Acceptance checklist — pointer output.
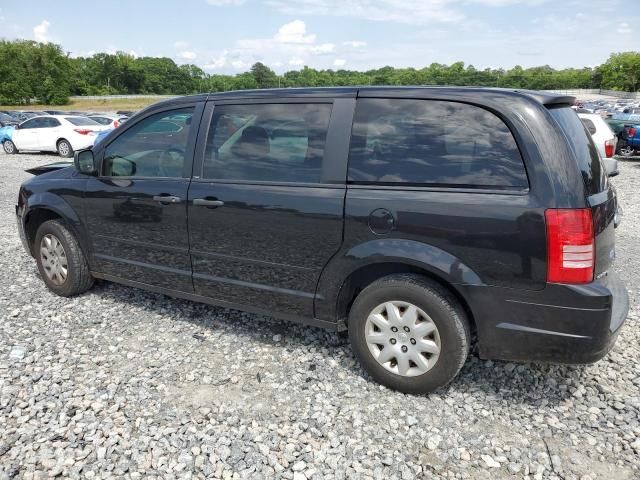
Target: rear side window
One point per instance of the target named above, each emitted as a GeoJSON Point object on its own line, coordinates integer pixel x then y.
{"type": "Point", "coordinates": [583, 148]}
{"type": "Point", "coordinates": [267, 142]}
{"type": "Point", "coordinates": [589, 125]}
{"type": "Point", "coordinates": [429, 142]}
{"type": "Point", "coordinates": [81, 121]}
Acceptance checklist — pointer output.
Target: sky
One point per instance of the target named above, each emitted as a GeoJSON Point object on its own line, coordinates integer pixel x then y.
{"type": "Point", "coordinates": [228, 36]}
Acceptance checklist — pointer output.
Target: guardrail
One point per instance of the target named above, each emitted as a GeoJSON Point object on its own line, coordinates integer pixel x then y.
{"type": "Point", "coordinates": [115, 97]}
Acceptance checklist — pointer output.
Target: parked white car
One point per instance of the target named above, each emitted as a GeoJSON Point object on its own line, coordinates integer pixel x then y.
{"type": "Point", "coordinates": [601, 133]}
{"type": "Point", "coordinates": [54, 133]}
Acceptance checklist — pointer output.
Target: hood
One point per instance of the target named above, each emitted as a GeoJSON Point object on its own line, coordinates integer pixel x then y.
{"type": "Point", "coordinates": [50, 167]}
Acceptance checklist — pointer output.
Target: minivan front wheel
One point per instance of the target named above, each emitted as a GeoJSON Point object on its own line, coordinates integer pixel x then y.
{"type": "Point", "coordinates": [409, 333]}
{"type": "Point", "coordinates": [61, 262]}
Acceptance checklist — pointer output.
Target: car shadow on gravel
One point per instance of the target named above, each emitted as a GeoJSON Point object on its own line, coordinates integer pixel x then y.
{"type": "Point", "coordinates": [533, 384]}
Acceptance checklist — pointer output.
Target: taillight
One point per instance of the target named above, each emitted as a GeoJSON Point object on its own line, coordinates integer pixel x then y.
{"type": "Point", "coordinates": [631, 132]}
{"type": "Point", "coordinates": [115, 124]}
{"type": "Point", "coordinates": [570, 245]}
{"type": "Point", "coordinates": [608, 148]}
{"type": "Point", "coordinates": [82, 131]}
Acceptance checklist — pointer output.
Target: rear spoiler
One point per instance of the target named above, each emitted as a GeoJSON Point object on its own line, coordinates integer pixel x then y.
{"type": "Point", "coordinates": [550, 99]}
{"type": "Point", "coordinates": [50, 167]}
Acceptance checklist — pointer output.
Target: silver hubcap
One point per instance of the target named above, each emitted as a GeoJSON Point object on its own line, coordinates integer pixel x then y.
{"type": "Point", "coordinates": [402, 338]}
{"type": "Point", "coordinates": [54, 259]}
{"type": "Point", "coordinates": [9, 147]}
{"type": "Point", "coordinates": [627, 151]}
{"type": "Point", "coordinates": [63, 148]}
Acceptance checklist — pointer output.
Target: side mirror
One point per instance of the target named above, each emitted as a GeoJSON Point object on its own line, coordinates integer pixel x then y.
{"type": "Point", "coordinates": [611, 167]}
{"type": "Point", "coordinates": [84, 162]}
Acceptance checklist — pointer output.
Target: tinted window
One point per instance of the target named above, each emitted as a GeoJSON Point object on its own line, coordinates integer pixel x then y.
{"type": "Point", "coordinates": [6, 118]}
{"type": "Point", "coordinates": [267, 142]}
{"type": "Point", "coordinates": [583, 148]}
{"type": "Point", "coordinates": [146, 151]}
{"type": "Point", "coordinates": [589, 125]}
{"type": "Point", "coordinates": [101, 120]}
{"type": "Point", "coordinates": [81, 121]}
{"type": "Point", "coordinates": [33, 123]}
{"type": "Point", "coordinates": [50, 123]}
{"type": "Point", "coordinates": [432, 143]}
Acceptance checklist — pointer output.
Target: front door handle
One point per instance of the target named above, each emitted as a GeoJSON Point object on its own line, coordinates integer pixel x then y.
{"type": "Point", "coordinates": [166, 199]}
{"type": "Point", "coordinates": [208, 203]}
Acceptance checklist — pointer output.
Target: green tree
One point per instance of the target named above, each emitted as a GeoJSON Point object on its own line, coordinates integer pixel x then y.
{"type": "Point", "coordinates": [621, 72]}
{"type": "Point", "coordinates": [264, 76]}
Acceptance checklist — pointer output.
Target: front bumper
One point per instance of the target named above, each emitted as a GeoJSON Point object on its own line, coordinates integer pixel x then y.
{"type": "Point", "coordinates": [559, 324]}
{"type": "Point", "coordinates": [21, 232]}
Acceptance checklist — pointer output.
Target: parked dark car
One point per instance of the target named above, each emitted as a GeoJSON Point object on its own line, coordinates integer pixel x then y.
{"type": "Point", "coordinates": [414, 218]}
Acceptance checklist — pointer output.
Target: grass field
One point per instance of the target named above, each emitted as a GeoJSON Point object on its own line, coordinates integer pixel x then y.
{"type": "Point", "coordinates": [91, 105]}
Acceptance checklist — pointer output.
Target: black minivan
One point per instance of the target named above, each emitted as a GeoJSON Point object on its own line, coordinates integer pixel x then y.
{"type": "Point", "coordinates": [415, 218]}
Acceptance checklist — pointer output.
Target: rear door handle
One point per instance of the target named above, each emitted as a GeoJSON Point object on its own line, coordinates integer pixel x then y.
{"type": "Point", "coordinates": [208, 203]}
{"type": "Point", "coordinates": [167, 199]}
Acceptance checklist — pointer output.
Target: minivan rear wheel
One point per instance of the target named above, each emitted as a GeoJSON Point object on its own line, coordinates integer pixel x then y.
{"type": "Point", "coordinates": [409, 333]}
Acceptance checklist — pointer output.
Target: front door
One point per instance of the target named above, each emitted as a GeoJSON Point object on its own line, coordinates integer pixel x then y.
{"type": "Point", "coordinates": [263, 217]}
{"type": "Point", "coordinates": [136, 209]}
{"type": "Point", "coordinates": [26, 137]}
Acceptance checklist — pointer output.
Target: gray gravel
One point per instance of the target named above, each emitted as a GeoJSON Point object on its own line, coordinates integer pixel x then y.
{"type": "Point", "coordinates": [123, 383]}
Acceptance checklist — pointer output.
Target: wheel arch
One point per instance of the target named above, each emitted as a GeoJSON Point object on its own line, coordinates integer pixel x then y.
{"type": "Point", "coordinates": [48, 206]}
{"type": "Point", "coordinates": [352, 270]}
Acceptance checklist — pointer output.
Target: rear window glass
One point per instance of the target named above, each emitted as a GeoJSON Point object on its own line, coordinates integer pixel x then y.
{"type": "Point", "coordinates": [583, 148]}
{"type": "Point", "coordinates": [81, 121]}
{"type": "Point", "coordinates": [429, 142]}
{"type": "Point", "coordinates": [589, 125]}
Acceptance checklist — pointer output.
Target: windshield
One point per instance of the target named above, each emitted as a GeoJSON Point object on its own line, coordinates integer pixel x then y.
{"type": "Point", "coordinates": [585, 151]}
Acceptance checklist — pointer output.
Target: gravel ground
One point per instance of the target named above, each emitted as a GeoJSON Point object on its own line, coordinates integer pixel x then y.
{"type": "Point", "coordinates": [123, 383]}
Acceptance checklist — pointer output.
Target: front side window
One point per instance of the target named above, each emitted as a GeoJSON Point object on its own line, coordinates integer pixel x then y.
{"type": "Point", "coordinates": [149, 148]}
{"type": "Point", "coordinates": [267, 142]}
{"type": "Point", "coordinates": [437, 143]}
{"type": "Point", "coordinates": [33, 123]}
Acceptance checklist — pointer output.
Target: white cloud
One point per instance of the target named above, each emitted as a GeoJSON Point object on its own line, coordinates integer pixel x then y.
{"type": "Point", "coordinates": [239, 64]}
{"type": "Point", "coordinates": [322, 49]}
{"type": "Point", "coordinates": [294, 32]}
{"type": "Point", "coordinates": [296, 62]}
{"type": "Point", "coordinates": [224, 3]}
{"type": "Point", "coordinates": [181, 45]}
{"type": "Point", "coordinates": [339, 62]}
{"type": "Point", "coordinates": [133, 53]}
{"type": "Point", "coordinates": [413, 12]}
{"type": "Point", "coordinates": [624, 28]}
{"type": "Point", "coordinates": [187, 55]}
{"type": "Point", "coordinates": [41, 31]}
{"type": "Point", "coordinates": [218, 62]}
{"type": "Point", "coordinates": [355, 44]}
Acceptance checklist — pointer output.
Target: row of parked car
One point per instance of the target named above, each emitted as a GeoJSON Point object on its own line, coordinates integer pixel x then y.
{"type": "Point", "coordinates": [55, 130]}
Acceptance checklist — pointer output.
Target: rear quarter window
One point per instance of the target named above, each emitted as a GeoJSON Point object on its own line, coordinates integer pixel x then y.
{"type": "Point", "coordinates": [433, 143]}
{"type": "Point", "coordinates": [585, 152]}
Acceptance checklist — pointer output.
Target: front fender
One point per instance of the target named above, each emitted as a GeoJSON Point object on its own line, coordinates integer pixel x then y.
{"type": "Point", "coordinates": [434, 260]}
{"type": "Point", "coordinates": [56, 204]}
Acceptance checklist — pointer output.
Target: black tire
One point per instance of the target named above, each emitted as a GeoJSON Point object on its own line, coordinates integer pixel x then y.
{"type": "Point", "coordinates": [64, 148]}
{"type": "Point", "coordinates": [9, 147]}
{"type": "Point", "coordinates": [443, 309]}
{"type": "Point", "coordinates": [78, 279]}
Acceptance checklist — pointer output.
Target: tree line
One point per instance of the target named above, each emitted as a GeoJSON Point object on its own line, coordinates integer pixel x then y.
{"type": "Point", "coordinates": [45, 73]}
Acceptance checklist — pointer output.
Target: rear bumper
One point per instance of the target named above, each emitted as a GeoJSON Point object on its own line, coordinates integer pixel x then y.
{"type": "Point", "coordinates": [559, 324]}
